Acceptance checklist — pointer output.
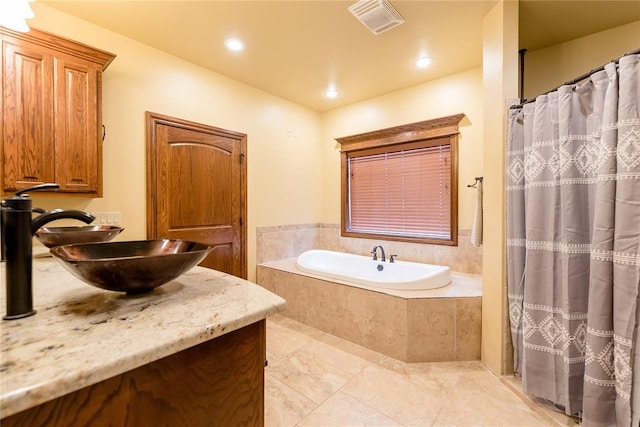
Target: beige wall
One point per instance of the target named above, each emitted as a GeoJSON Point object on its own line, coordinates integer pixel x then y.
{"type": "Point", "coordinates": [500, 78]}
{"type": "Point", "coordinates": [459, 93]}
{"type": "Point", "coordinates": [550, 67]}
{"type": "Point", "coordinates": [284, 175]}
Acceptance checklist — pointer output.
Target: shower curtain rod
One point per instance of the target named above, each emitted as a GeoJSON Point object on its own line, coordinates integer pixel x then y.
{"type": "Point", "coordinates": [574, 81]}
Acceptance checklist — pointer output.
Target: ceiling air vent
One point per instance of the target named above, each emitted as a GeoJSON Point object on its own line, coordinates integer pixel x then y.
{"type": "Point", "coordinates": [377, 15]}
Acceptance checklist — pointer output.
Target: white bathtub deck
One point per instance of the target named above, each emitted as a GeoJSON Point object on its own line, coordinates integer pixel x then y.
{"type": "Point", "coordinates": [462, 285]}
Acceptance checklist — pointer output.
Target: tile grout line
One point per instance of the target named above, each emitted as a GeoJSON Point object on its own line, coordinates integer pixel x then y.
{"type": "Point", "coordinates": [312, 339]}
{"type": "Point", "coordinates": [365, 403]}
{"type": "Point", "coordinates": [293, 390]}
{"type": "Point", "coordinates": [455, 328]}
{"type": "Point", "coordinates": [335, 392]}
{"type": "Point", "coordinates": [367, 364]}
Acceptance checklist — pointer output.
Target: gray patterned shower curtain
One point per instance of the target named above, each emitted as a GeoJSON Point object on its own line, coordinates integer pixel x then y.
{"type": "Point", "coordinates": [573, 243]}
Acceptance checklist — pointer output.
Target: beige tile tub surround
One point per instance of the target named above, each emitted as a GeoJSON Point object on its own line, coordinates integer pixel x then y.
{"type": "Point", "coordinates": [286, 241]}
{"type": "Point", "coordinates": [413, 326]}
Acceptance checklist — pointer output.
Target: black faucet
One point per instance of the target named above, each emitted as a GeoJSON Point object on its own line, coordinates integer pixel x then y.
{"type": "Point", "coordinates": [18, 228]}
{"type": "Point", "coordinates": [375, 253]}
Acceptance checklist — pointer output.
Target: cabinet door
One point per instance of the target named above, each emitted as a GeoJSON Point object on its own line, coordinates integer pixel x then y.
{"type": "Point", "coordinates": [78, 147]}
{"type": "Point", "coordinates": [27, 122]}
{"type": "Point", "coordinates": [50, 101]}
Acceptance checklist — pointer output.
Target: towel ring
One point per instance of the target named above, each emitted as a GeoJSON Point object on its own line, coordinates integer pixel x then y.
{"type": "Point", "coordinates": [474, 185]}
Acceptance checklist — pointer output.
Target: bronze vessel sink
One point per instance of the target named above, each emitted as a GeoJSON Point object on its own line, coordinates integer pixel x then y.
{"type": "Point", "coordinates": [130, 266]}
{"type": "Point", "coordinates": [58, 236]}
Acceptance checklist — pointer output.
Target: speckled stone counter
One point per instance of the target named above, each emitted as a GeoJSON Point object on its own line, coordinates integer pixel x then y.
{"type": "Point", "coordinates": [82, 335]}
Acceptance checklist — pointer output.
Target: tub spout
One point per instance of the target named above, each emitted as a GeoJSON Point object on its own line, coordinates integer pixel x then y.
{"type": "Point", "coordinates": [18, 228]}
{"type": "Point", "coordinates": [375, 253]}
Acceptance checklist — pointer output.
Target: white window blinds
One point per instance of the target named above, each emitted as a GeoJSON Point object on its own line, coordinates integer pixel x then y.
{"type": "Point", "coordinates": [402, 193]}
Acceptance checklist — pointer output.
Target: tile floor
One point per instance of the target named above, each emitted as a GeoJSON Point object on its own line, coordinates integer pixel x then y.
{"type": "Point", "coordinates": [316, 379]}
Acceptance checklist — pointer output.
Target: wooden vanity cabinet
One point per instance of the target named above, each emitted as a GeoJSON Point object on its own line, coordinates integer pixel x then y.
{"type": "Point", "coordinates": [51, 123]}
{"type": "Point", "coordinates": [217, 383]}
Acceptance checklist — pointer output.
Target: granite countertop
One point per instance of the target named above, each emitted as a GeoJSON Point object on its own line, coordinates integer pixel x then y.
{"type": "Point", "coordinates": [82, 335]}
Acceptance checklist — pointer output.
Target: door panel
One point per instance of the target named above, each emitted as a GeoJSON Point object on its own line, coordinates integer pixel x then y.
{"type": "Point", "coordinates": [198, 177]}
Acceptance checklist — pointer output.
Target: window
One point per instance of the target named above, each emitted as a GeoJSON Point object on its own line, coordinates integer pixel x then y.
{"type": "Point", "coordinates": [401, 183]}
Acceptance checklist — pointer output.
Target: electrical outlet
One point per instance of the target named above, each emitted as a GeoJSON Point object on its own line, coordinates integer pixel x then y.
{"type": "Point", "coordinates": [116, 218]}
{"type": "Point", "coordinates": [107, 218]}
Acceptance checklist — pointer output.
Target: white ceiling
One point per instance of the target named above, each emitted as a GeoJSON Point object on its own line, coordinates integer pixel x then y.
{"type": "Point", "coordinates": [296, 49]}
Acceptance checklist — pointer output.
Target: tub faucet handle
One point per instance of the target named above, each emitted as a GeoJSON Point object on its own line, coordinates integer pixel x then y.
{"type": "Point", "coordinates": [391, 257]}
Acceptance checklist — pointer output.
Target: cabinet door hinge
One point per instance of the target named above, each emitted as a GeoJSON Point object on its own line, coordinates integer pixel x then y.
{"type": "Point", "coordinates": [241, 158]}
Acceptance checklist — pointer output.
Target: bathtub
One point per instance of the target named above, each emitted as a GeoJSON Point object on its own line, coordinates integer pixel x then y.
{"type": "Point", "coordinates": [399, 275]}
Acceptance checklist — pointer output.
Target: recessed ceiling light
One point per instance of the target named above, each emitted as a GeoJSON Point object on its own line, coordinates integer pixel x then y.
{"type": "Point", "coordinates": [13, 14]}
{"type": "Point", "coordinates": [331, 93]}
{"type": "Point", "coordinates": [234, 44]}
{"type": "Point", "coordinates": [422, 62]}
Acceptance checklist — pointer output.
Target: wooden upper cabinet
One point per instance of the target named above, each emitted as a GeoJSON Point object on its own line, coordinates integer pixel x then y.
{"type": "Point", "coordinates": [51, 113]}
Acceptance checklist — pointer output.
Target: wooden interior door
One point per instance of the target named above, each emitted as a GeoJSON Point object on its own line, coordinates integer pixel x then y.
{"type": "Point", "coordinates": [196, 188]}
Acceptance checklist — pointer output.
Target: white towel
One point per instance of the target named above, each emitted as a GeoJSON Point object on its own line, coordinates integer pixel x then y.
{"type": "Point", "coordinates": [476, 229]}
